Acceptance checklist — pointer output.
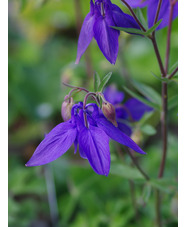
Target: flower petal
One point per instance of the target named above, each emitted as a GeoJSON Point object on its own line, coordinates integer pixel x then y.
{"type": "Point", "coordinates": [112, 95]}
{"type": "Point", "coordinates": [164, 12]}
{"type": "Point", "coordinates": [117, 135]}
{"type": "Point", "coordinates": [85, 36]}
{"type": "Point", "coordinates": [125, 128]}
{"type": "Point", "coordinates": [122, 19]}
{"type": "Point", "coordinates": [55, 144]}
{"type": "Point", "coordinates": [95, 144]}
{"type": "Point", "coordinates": [136, 109]}
{"type": "Point", "coordinates": [107, 37]}
{"type": "Point", "coordinates": [121, 112]}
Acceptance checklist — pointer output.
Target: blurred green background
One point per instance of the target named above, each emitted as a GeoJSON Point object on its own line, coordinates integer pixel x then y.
{"type": "Point", "coordinates": [43, 38]}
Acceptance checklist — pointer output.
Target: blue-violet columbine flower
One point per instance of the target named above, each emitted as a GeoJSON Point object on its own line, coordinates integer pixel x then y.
{"type": "Point", "coordinates": [93, 140]}
{"type": "Point", "coordinates": [152, 8]}
{"type": "Point", "coordinates": [103, 14]}
{"type": "Point", "coordinates": [132, 110]}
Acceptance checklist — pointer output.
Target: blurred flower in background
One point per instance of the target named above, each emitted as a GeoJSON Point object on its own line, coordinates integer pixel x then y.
{"type": "Point", "coordinates": [130, 111]}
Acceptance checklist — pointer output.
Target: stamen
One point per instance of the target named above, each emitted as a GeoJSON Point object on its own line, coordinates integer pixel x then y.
{"type": "Point", "coordinates": [102, 9]}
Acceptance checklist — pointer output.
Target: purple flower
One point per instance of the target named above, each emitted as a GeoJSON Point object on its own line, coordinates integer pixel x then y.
{"type": "Point", "coordinates": [93, 140]}
{"type": "Point", "coordinates": [132, 109]}
{"type": "Point", "coordinates": [152, 8]}
{"type": "Point", "coordinates": [103, 14]}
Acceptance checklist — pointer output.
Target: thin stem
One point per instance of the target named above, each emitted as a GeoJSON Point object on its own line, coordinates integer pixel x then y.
{"type": "Point", "coordinates": [173, 73]}
{"type": "Point", "coordinates": [70, 93]}
{"type": "Point", "coordinates": [137, 165]}
{"type": "Point", "coordinates": [134, 15]}
{"type": "Point", "coordinates": [169, 38]}
{"type": "Point", "coordinates": [164, 128]}
{"type": "Point", "coordinates": [158, 11]}
{"type": "Point", "coordinates": [78, 88]}
{"type": "Point", "coordinates": [84, 105]}
{"type": "Point", "coordinates": [153, 39]}
{"type": "Point", "coordinates": [164, 98]}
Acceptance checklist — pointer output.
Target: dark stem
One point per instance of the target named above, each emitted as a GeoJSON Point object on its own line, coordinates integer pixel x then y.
{"type": "Point", "coordinates": [134, 15]}
{"type": "Point", "coordinates": [153, 39]}
{"type": "Point", "coordinates": [158, 11]}
{"type": "Point", "coordinates": [164, 98]}
{"type": "Point", "coordinates": [76, 88]}
{"type": "Point", "coordinates": [92, 94]}
{"type": "Point", "coordinates": [173, 73]}
{"type": "Point", "coordinates": [164, 72]}
{"type": "Point", "coordinates": [164, 128]}
{"type": "Point", "coordinates": [137, 165]}
{"type": "Point", "coordinates": [168, 39]}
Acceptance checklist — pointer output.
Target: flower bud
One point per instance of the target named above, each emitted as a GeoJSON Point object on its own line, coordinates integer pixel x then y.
{"type": "Point", "coordinates": [109, 112]}
{"type": "Point", "coordinates": [66, 108]}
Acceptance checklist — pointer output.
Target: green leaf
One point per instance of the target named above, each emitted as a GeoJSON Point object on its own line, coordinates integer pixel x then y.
{"type": "Point", "coordinates": [148, 130]}
{"type": "Point", "coordinates": [165, 185]}
{"type": "Point", "coordinates": [97, 81]}
{"type": "Point", "coordinates": [129, 30]}
{"type": "Point", "coordinates": [135, 95]}
{"type": "Point", "coordinates": [148, 92]}
{"type": "Point", "coordinates": [153, 28]}
{"type": "Point", "coordinates": [172, 102]}
{"type": "Point", "coordinates": [104, 81]}
{"type": "Point", "coordinates": [139, 14]}
{"type": "Point", "coordinates": [125, 171]}
{"type": "Point", "coordinates": [137, 31]}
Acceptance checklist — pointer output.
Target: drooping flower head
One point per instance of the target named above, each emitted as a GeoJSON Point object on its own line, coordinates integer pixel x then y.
{"type": "Point", "coordinates": [152, 8]}
{"type": "Point", "coordinates": [88, 128]}
{"type": "Point", "coordinates": [103, 14]}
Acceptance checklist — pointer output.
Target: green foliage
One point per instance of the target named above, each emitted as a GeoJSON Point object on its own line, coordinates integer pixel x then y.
{"type": "Point", "coordinates": [104, 81]}
{"type": "Point", "coordinates": [97, 81]}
